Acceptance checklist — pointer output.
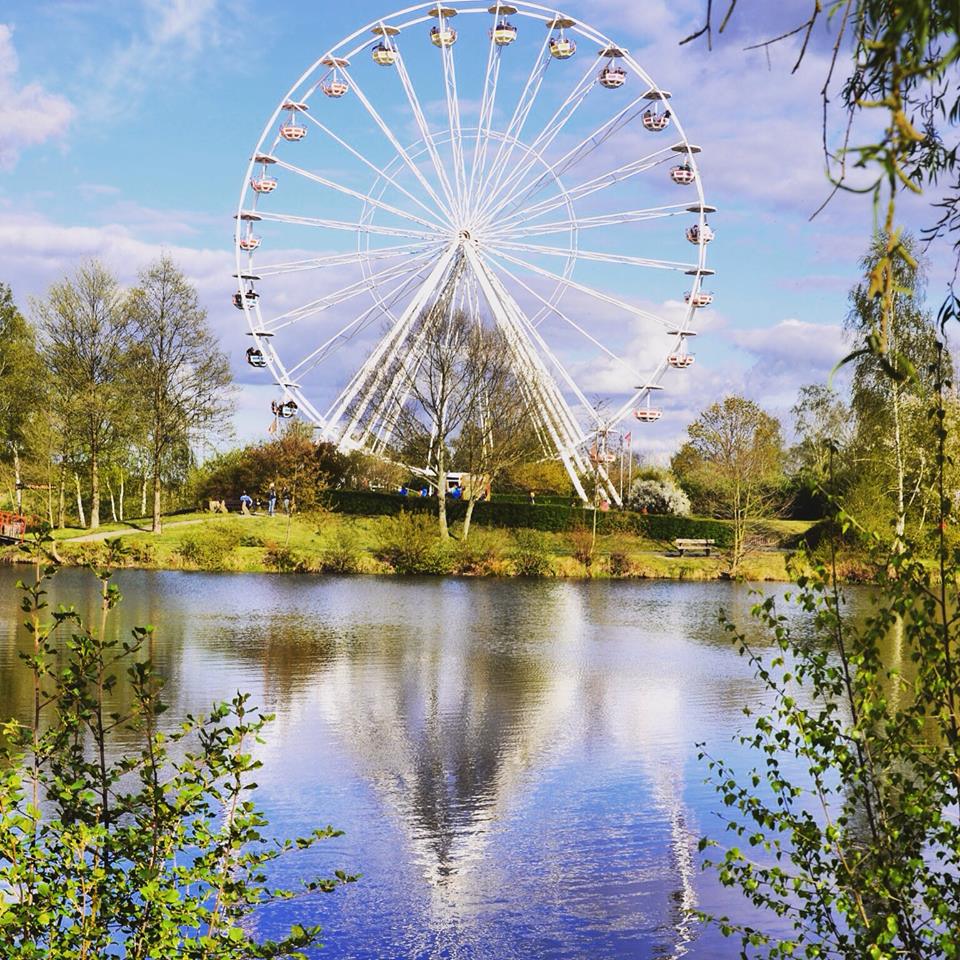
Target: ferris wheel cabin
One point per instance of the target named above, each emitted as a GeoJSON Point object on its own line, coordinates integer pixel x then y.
{"type": "Point", "coordinates": [612, 75]}
{"type": "Point", "coordinates": [562, 47]}
{"type": "Point", "coordinates": [503, 33]}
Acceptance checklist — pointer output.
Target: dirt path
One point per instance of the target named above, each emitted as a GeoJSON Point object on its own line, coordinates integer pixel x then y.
{"type": "Point", "coordinates": [110, 534]}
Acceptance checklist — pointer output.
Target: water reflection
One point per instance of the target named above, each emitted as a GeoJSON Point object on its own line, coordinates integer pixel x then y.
{"type": "Point", "coordinates": [513, 762]}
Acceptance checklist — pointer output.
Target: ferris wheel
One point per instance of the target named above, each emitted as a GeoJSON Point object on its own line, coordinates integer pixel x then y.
{"type": "Point", "coordinates": [508, 161]}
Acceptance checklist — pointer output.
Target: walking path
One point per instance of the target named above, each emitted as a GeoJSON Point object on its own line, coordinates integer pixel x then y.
{"type": "Point", "coordinates": [110, 534]}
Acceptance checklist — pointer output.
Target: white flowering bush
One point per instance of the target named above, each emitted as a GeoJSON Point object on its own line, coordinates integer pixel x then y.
{"type": "Point", "coordinates": [661, 495]}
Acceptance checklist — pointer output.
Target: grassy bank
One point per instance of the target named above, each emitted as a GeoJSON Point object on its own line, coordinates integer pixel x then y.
{"type": "Point", "coordinates": [326, 542]}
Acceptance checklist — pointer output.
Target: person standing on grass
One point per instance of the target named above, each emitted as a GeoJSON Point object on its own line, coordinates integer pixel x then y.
{"type": "Point", "coordinates": [285, 496]}
{"type": "Point", "coordinates": [271, 500]}
{"type": "Point", "coordinates": [246, 501]}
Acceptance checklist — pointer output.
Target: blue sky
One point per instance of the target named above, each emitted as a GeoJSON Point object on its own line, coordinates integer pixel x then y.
{"type": "Point", "coordinates": [125, 129]}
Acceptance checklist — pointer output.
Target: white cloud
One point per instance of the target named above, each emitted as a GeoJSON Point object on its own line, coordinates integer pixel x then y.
{"type": "Point", "coordinates": [814, 347]}
{"type": "Point", "coordinates": [29, 115]}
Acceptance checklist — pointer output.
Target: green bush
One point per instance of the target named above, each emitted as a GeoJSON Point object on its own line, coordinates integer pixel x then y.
{"type": "Point", "coordinates": [479, 554]}
{"type": "Point", "coordinates": [343, 553]}
{"type": "Point", "coordinates": [409, 543]}
{"type": "Point", "coordinates": [529, 554]}
{"type": "Point", "coordinates": [283, 558]}
{"type": "Point", "coordinates": [210, 547]}
{"type": "Point", "coordinates": [141, 551]}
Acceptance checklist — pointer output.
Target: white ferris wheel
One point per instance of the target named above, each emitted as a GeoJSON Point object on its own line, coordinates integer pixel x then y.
{"type": "Point", "coordinates": [509, 161]}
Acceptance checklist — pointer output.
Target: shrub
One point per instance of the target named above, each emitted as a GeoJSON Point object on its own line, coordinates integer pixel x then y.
{"type": "Point", "coordinates": [409, 543]}
{"type": "Point", "coordinates": [210, 547]}
{"type": "Point", "coordinates": [620, 565]}
{"type": "Point", "coordinates": [581, 545]}
{"type": "Point", "coordinates": [141, 552]}
{"type": "Point", "coordinates": [251, 540]}
{"type": "Point", "coordinates": [529, 554]}
{"type": "Point", "coordinates": [283, 558]}
{"type": "Point", "coordinates": [343, 554]}
{"type": "Point", "coordinates": [661, 496]}
{"type": "Point", "coordinates": [480, 554]}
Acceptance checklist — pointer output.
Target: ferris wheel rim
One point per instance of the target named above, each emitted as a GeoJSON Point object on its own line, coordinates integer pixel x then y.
{"type": "Point", "coordinates": [275, 363]}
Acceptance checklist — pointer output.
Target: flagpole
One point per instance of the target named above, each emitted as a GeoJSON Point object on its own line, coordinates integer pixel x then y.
{"type": "Point", "coordinates": [630, 466]}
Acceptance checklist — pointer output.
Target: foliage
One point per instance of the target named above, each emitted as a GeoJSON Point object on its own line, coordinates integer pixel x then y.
{"type": "Point", "coordinates": [733, 460]}
{"type": "Point", "coordinates": [182, 376]}
{"type": "Point", "coordinates": [117, 839]}
{"type": "Point", "coordinates": [582, 542]}
{"type": "Point", "coordinates": [292, 461]}
{"type": "Point", "coordinates": [409, 543]}
{"type": "Point", "coordinates": [529, 554]}
{"type": "Point", "coordinates": [342, 551]}
{"type": "Point", "coordinates": [283, 558]}
{"type": "Point", "coordinates": [210, 547]}
{"type": "Point", "coordinates": [87, 345]}
{"type": "Point", "coordinates": [661, 495]}
{"type": "Point", "coordinates": [543, 477]}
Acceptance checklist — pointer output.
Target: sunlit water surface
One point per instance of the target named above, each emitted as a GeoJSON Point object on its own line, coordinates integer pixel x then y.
{"type": "Point", "coordinates": [513, 762]}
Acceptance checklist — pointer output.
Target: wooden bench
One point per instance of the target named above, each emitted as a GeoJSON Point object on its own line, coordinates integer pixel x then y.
{"type": "Point", "coordinates": [687, 545]}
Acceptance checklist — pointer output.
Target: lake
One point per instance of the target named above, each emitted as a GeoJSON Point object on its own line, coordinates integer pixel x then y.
{"type": "Point", "coordinates": [513, 761]}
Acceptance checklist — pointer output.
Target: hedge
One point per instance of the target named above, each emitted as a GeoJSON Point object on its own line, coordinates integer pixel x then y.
{"type": "Point", "coordinates": [551, 517]}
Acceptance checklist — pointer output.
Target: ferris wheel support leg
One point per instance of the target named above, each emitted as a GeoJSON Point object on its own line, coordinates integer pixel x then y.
{"type": "Point", "coordinates": [532, 371]}
{"type": "Point", "coordinates": [375, 365]}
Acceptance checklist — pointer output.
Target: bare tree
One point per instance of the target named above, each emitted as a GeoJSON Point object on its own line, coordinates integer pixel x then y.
{"type": "Point", "coordinates": [182, 375]}
{"type": "Point", "coordinates": [500, 431]}
{"type": "Point", "coordinates": [431, 391]}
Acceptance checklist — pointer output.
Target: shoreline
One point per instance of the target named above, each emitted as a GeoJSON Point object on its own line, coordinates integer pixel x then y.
{"type": "Point", "coordinates": [333, 543]}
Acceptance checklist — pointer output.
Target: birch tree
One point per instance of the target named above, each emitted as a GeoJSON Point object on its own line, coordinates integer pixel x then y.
{"type": "Point", "coordinates": [182, 377]}
{"type": "Point", "coordinates": [86, 340]}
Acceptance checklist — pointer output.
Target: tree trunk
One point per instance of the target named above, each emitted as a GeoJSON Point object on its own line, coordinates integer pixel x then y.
{"type": "Point", "coordinates": [50, 491]}
{"type": "Point", "coordinates": [17, 479]}
{"type": "Point", "coordinates": [62, 504]}
{"type": "Point", "coordinates": [157, 524]}
{"type": "Point", "coordinates": [121, 495]}
{"type": "Point", "coordinates": [94, 490]}
{"type": "Point", "coordinates": [901, 479]}
{"type": "Point", "coordinates": [80, 513]}
{"type": "Point", "coordinates": [143, 497]}
{"type": "Point", "coordinates": [113, 502]}
{"type": "Point", "coordinates": [468, 516]}
{"type": "Point", "coordinates": [442, 499]}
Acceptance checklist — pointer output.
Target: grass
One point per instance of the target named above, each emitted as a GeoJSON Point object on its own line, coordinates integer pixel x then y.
{"type": "Point", "coordinates": [327, 542]}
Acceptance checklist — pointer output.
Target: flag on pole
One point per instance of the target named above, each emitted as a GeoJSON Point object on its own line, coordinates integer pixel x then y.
{"type": "Point", "coordinates": [628, 439]}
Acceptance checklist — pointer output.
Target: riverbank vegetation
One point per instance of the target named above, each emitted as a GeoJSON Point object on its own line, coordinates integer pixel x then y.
{"type": "Point", "coordinates": [118, 838]}
{"type": "Point", "coordinates": [407, 543]}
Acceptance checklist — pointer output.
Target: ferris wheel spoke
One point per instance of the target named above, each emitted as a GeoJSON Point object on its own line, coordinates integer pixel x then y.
{"type": "Point", "coordinates": [345, 293]}
{"type": "Point", "coordinates": [431, 212]}
{"type": "Point", "coordinates": [371, 313]}
{"type": "Point", "coordinates": [345, 225]}
{"type": "Point", "coordinates": [575, 155]}
{"type": "Point", "coordinates": [576, 326]}
{"type": "Point", "coordinates": [341, 259]}
{"type": "Point", "coordinates": [389, 134]}
{"type": "Point", "coordinates": [348, 191]}
{"type": "Point", "coordinates": [550, 131]}
{"type": "Point", "coordinates": [378, 363]}
{"type": "Point", "coordinates": [453, 119]}
{"type": "Point", "coordinates": [585, 189]}
{"type": "Point", "coordinates": [425, 133]}
{"type": "Point", "coordinates": [558, 418]}
{"type": "Point", "coordinates": [574, 285]}
{"type": "Point", "coordinates": [587, 223]}
{"type": "Point", "coordinates": [487, 103]}
{"type": "Point", "coordinates": [527, 97]}
{"type": "Point", "coordinates": [621, 258]}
